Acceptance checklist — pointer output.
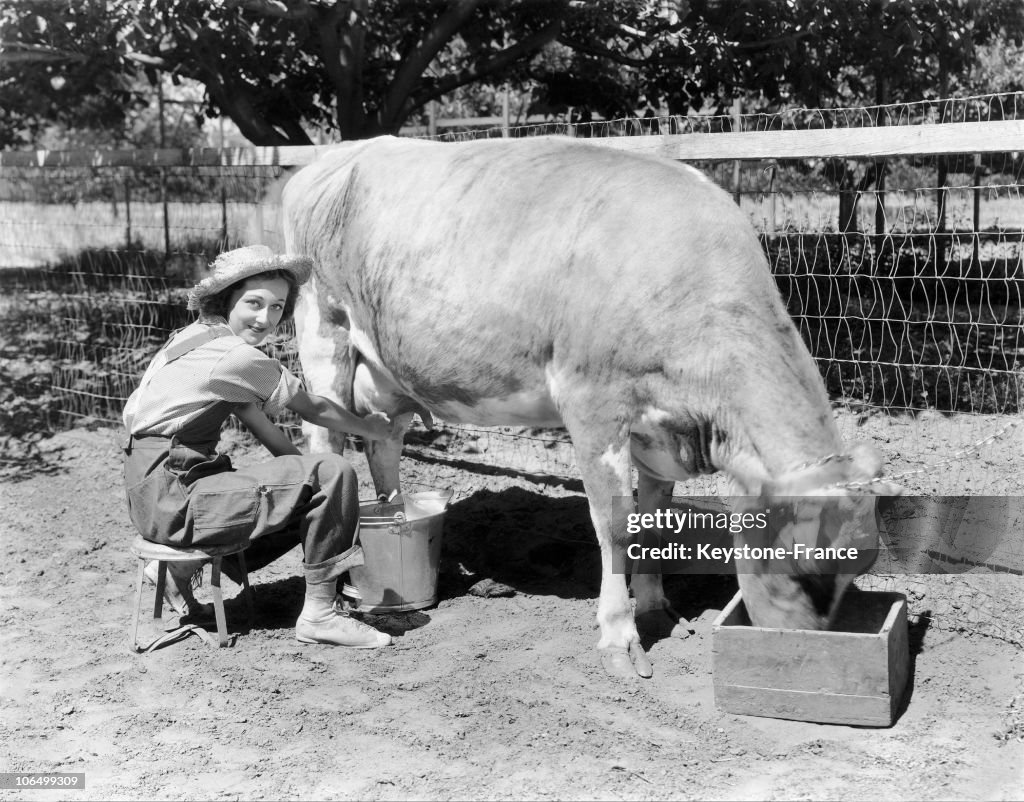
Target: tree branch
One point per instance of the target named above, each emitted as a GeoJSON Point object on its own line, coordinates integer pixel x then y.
{"type": "Point", "coordinates": [149, 61]}
{"type": "Point", "coordinates": [778, 40]}
{"type": "Point", "coordinates": [17, 51]}
{"type": "Point", "coordinates": [415, 64]}
{"type": "Point", "coordinates": [234, 99]}
{"type": "Point", "coordinates": [274, 8]}
{"type": "Point", "coordinates": [604, 52]}
{"type": "Point", "coordinates": [497, 62]}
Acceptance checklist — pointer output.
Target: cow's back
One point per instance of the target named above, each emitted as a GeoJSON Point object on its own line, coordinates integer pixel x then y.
{"type": "Point", "coordinates": [527, 257]}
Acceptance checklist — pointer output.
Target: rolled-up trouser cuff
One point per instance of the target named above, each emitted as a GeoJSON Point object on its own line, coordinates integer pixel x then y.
{"type": "Point", "coordinates": [334, 567]}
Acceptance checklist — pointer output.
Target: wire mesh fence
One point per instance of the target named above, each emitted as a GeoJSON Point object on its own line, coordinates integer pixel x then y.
{"type": "Point", "coordinates": [903, 273]}
{"type": "Point", "coordinates": [907, 290]}
{"type": "Point", "coordinates": [976, 108]}
{"type": "Point", "coordinates": [95, 264]}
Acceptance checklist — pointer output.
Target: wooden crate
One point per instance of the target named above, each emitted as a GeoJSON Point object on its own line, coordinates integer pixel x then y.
{"type": "Point", "coordinates": [853, 674]}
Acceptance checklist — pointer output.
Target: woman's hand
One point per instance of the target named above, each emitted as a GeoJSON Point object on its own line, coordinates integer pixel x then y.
{"type": "Point", "coordinates": [324, 412]}
{"type": "Point", "coordinates": [378, 426]}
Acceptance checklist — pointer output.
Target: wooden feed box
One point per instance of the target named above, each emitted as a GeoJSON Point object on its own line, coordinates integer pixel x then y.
{"type": "Point", "coordinates": [853, 674]}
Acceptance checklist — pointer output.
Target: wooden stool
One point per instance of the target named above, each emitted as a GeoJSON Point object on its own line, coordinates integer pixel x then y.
{"type": "Point", "coordinates": [146, 551]}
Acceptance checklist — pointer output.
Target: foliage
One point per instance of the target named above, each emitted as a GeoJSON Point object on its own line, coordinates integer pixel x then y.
{"type": "Point", "coordinates": [60, 65]}
{"type": "Point", "coordinates": [352, 69]}
{"type": "Point", "coordinates": [282, 69]}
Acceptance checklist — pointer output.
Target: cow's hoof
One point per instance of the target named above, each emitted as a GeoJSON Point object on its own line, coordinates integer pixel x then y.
{"type": "Point", "coordinates": [626, 663]}
{"type": "Point", "coordinates": [658, 624]}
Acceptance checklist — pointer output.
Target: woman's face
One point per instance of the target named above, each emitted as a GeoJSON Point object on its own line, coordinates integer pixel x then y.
{"type": "Point", "coordinates": [256, 308]}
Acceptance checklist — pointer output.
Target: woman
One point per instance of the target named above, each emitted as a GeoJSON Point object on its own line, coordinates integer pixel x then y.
{"type": "Point", "coordinates": [181, 492]}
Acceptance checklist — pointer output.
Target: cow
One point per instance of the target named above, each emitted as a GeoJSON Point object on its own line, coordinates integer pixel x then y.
{"type": "Point", "coordinates": [552, 282]}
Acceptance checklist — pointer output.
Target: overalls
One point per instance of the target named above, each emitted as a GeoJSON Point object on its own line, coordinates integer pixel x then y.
{"type": "Point", "coordinates": [182, 493]}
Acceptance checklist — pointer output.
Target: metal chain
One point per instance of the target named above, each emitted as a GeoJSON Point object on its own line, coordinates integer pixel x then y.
{"type": "Point", "coordinates": [971, 450]}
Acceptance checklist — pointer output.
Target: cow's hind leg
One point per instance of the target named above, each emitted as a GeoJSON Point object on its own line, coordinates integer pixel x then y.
{"type": "Point", "coordinates": [655, 617]}
{"type": "Point", "coordinates": [602, 452]}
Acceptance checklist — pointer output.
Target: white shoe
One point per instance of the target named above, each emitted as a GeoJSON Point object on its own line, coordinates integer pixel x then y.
{"type": "Point", "coordinates": [340, 629]}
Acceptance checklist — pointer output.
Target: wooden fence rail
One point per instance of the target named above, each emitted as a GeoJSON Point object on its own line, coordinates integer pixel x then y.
{"type": "Point", "coordinates": [907, 140]}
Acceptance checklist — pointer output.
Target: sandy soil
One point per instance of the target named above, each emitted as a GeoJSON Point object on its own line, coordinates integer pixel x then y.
{"type": "Point", "coordinates": [479, 698]}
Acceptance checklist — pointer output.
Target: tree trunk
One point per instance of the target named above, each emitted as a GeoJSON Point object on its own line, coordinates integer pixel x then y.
{"type": "Point", "coordinates": [342, 57]}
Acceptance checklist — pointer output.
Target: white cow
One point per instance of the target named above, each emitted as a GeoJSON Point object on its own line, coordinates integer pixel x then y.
{"type": "Point", "coordinates": [550, 282]}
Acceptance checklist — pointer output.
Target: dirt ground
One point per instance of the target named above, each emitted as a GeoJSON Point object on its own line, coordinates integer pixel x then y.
{"type": "Point", "coordinates": [478, 698]}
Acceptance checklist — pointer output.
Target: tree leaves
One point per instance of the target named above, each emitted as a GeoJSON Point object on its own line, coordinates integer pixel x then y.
{"type": "Point", "coordinates": [284, 69]}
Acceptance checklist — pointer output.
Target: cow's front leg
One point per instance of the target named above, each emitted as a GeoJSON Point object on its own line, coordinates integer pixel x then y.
{"type": "Point", "coordinates": [605, 467]}
{"type": "Point", "coordinates": [655, 617]}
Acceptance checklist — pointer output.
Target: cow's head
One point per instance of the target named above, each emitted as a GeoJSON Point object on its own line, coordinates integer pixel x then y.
{"type": "Point", "coordinates": [829, 504]}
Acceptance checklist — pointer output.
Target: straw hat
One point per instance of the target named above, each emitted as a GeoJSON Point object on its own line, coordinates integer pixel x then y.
{"type": "Point", "coordinates": [241, 263]}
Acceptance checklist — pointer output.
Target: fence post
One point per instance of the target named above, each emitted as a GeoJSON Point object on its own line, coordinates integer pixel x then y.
{"type": "Point", "coordinates": [163, 172]}
{"type": "Point", "coordinates": [976, 180]}
{"type": "Point", "coordinates": [506, 119]}
{"type": "Point", "coordinates": [128, 213]}
{"type": "Point", "coordinates": [940, 213]}
{"type": "Point", "coordinates": [737, 125]}
{"type": "Point", "coordinates": [880, 202]}
{"type": "Point", "coordinates": [223, 216]}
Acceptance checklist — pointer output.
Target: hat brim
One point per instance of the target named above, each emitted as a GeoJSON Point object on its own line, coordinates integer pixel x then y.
{"type": "Point", "coordinates": [301, 267]}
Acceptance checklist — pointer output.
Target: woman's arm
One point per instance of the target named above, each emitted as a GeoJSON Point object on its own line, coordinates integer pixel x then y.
{"type": "Point", "coordinates": [265, 431]}
{"type": "Point", "coordinates": [324, 412]}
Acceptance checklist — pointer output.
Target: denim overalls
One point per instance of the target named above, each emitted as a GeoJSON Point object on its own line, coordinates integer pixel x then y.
{"type": "Point", "coordinates": [182, 493]}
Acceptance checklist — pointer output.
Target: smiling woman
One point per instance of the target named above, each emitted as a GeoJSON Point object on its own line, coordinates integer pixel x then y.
{"type": "Point", "coordinates": [256, 308]}
{"type": "Point", "coordinates": [181, 492]}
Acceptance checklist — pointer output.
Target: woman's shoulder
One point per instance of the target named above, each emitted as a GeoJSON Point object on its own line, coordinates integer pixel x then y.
{"type": "Point", "coordinates": [237, 353]}
{"type": "Point", "coordinates": [233, 353]}
{"type": "Point", "coordinates": [213, 329]}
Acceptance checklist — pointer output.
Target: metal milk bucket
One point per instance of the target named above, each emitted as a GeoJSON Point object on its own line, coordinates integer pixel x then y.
{"type": "Point", "coordinates": [401, 542]}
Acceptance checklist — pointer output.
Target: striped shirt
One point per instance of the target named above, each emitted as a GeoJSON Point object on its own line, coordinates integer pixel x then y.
{"type": "Point", "coordinates": [223, 369]}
